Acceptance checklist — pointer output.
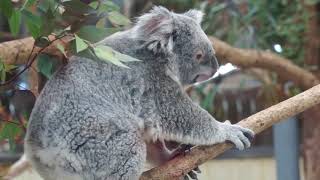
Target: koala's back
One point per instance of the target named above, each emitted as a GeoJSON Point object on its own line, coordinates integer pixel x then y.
{"type": "Point", "coordinates": [88, 107]}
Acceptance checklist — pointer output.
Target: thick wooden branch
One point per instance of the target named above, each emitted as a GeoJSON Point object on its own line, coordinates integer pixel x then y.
{"type": "Point", "coordinates": [266, 60]}
{"type": "Point", "coordinates": [258, 122]}
{"type": "Point", "coordinates": [16, 51]}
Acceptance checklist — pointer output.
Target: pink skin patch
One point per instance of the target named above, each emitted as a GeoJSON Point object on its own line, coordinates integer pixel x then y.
{"type": "Point", "coordinates": [205, 75]}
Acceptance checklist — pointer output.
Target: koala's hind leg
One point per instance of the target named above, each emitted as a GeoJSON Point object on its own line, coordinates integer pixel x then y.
{"type": "Point", "coordinates": [121, 156]}
{"type": "Point", "coordinates": [126, 157]}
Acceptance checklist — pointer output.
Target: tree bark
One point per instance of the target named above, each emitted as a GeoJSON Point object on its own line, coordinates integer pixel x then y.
{"type": "Point", "coordinates": [258, 122]}
{"type": "Point", "coordinates": [17, 51]}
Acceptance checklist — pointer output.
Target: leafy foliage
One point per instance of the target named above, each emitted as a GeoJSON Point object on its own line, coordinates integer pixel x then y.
{"type": "Point", "coordinates": [4, 69]}
{"type": "Point", "coordinates": [45, 65]}
{"type": "Point", "coordinates": [65, 17]}
{"type": "Point", "coordinates": [50, 20]}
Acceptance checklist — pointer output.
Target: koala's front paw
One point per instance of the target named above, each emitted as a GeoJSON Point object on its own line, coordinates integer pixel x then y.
{"type": "Point", "coordinates": [241, 137]}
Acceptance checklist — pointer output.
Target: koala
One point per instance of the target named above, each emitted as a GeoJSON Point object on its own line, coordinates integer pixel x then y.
{"type": "Point", "coordinates": [93, 120]}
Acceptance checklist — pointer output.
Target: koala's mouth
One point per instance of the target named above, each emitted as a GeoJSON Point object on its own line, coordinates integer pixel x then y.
{"type": "Point", "coordinates": [202, 77]}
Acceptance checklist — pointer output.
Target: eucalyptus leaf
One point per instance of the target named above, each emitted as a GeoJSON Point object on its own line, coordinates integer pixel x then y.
{"type": "Point", "coordinates": [6, 8]}
{"type": "Point", "coordinates": [48, 27]}
{"type": "Point", "coordinates": [80, 44]}
{"type": "Point", "coordinates": [61, 48]}
{"type": "Point", "coordinates": [2, 72]}
{"type": "Point", "coordinates": [45, 65]}
{"type": "Point", "coordinates": [107, 54]}
{"type": "Point", "coordinates": [108, 6]}
{"type": "Point", "coordinates": [33, 23]}
{"type": "Point", "coordinates": [118, 19]}
{"type": "Point", "coordinates": [124, 57]}
{"type": "Point", "coordinates": [9, 67]}
{"type": "Point", "coordinates": [95, 34]}
{"type": "Point", "coordinates": [14, 22]}
{"type": "Point", "coordinates": [10, 131]}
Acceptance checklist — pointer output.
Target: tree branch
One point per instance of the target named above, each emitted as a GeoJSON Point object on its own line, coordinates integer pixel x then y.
{"type": "Point", "coordinates": [18, 51]}
{"type": "Point", "coordinates": [264, 59]}
{"type": "Point", "coordinates": [258, 122]}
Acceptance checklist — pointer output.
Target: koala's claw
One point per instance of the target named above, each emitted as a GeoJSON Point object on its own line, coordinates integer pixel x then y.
{"type": "Point", "coordinates": [192, 174]}
{"type": "Point", "coordinates": [241, 137]}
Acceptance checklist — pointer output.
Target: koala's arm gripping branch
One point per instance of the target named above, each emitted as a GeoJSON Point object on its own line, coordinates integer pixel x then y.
{"type": "Point", "coordinates": [258, 122]}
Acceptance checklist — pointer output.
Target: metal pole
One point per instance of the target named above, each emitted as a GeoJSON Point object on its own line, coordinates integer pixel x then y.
{"type": "Point", "coordinates": [286, 149]}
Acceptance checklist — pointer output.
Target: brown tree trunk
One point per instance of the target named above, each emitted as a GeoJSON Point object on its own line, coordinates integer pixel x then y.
{"type": "Point", "coordinates": [311, 123]}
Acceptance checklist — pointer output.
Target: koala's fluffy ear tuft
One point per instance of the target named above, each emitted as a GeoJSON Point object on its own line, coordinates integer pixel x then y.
{"type": "Point", "coordinates": [155, 28]}
{"type": "Point", "coordinates": [195, 14]}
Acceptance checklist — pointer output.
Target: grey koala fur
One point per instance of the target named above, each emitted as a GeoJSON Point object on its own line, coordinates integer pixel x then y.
{"type": "Point", "coordinates": [92, 120]}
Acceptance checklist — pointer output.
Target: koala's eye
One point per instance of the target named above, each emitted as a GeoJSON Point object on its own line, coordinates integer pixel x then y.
{"type": "Point", "coordinates": [199, 55]}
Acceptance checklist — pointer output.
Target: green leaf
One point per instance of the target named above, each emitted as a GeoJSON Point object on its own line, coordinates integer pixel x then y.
{"type": "Point", "coordinates": [48, 27]}
{"type": "Point", "coordinates": [46, 5]}
{"type": "Point", "coordinates": [61, 48]}
{"type": "Point", "coordinates": [94, 4]}
{"type": "Point", "coordinates": [6, 8]}
{"type": "Point", "coordinates": [45, 65]}
{"type": "Point", "coordinates": [10, 131]}
{"type": "Point", "coordinates": [14, 22]}
{"type": "Point", "coordinates": [102, 22]}
{"type": "Point", "coordinates": [2, 67]}
{"type": "Point", "coordinates": [124, 57]}
{"type": "Point", "coordinates": [118, 19]}
{"type": "Point", "coordinates": [33, 23]}
{"type": "Point", "coordinates": [95, 34]}
{"type": "Point", "coordinates": [9, 67]}
{"type": "Point", "coordinates": [110, 6]}
{"type": "Point", "coordinates": [2, 72]}
{"type": "Point", "coordinates": [207, 103]}
{"type": "Point", "coordinates": [107, 6]}
{"type": "Point", "coordinates": [107, 54]}
{"type": "Point", "coordinates": [80, 44]}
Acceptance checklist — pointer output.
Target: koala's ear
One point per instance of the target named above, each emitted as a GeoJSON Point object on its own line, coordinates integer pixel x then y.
{"type": "Point", "coordinates": [195, 14]}
{"type": "Point", "coordinates": [156, 28]}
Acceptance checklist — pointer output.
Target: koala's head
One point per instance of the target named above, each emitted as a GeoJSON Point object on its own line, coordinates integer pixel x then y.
{"type": "Point", "coordinates": [180, 37]}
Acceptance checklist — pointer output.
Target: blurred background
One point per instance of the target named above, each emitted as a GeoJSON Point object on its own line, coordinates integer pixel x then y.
{"type": "Point", "coordinates": [289, 28]}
